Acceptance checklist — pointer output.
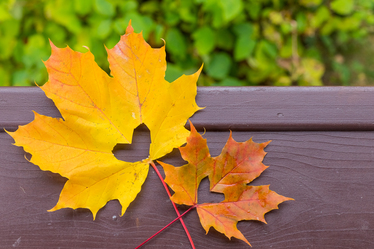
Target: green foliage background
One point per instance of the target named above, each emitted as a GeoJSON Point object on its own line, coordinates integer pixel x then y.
{"type": "Point", "coordinates": [240, 42]}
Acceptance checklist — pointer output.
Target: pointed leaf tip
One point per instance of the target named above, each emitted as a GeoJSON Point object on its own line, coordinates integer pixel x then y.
{"type": "Point", "coordinates": [53, 46]}
{"type": "Point", "coordinates": [201, 68]}
{"type": "Point", "coordinates": [129, 28]}
{"type": "Point", "coordinates": [51, 43]}
{"type": "Point", "coordinates": [192, 127]}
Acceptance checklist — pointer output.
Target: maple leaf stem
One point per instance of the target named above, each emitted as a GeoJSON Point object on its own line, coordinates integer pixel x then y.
{"type": "Point", "coordinates": [162, 229]}
{"type": "Point", "coordinates": [175, 207]}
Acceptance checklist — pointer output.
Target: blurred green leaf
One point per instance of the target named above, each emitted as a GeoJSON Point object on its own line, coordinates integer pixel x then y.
{"type": "Point", "coordinates": [330, 26]}
{"type": "Point", "coordinates": [104, 29]}
{"type": "Point", "coordinates": [20, 78]}
{"type": "Point", "coordinates": [82, 7]}
{"type": "Point", "coordinates": [8, 32]}
{"type": "Point", "coordinates": [104, 7]}
{"type": "Point", "coordinates": [219, 65]}
{"type": "Point", "coordinates": [9, 28]}
{"type": "Point", "coordinates": [359, 34]}
{"type": "Point", "coordinates": [244, 29]}
{"type": "Point", "coordinates": [269, 49]}
{"type": "Point", "coordinates": [243, 48]}
{"type": "Point", "coordinates": [128, 6]}
{"type": "Point", "coordinates": [35, 52]}
{"type": "Point", "coordinates": [4, 77]}
{"type": "Point", "coordinates": [328, 42]}
{"type": "Point", "coordinates": [310, 3]}
{"type": "Point", "coordinates": [231, 8]}
{"type": "Point", "coordinates": [112, 41]}
{"type": "Point", "coordinates": [276, 17]}
{"type": "Point", "coordinates": [149, 7]}
{"type": "Point", "coordinates": [263, 65]}
{"type": "Point", "coordinates": [368, 4]}
{"type": "Point", "coordinates": [176, 43]}
{"type": "Point", "coordinates": [370, 18]}
{"type": "Point", "coordinates": [119, 25]}
{"type": "Point", "coordinates": [271, 34]}
{"type": "Point", "coordinates": [253, 8]}
{"type": "Point", "coordinates": [283, 81]}
{"type": "Point", "coordinates": [286, 28]}
{"type": "Point", "coordinates": [4, 12]}
{"type": "Point", "coordinates": [56, 33]}
{"type": "Point", "coordinates": [172, 72]}
{"type": "Point", "coordinates": [228, 42]}
{"type": "Point", "coordinates": [83, 42]}
{"type": "Point", "coordinates": [255, 76]}
{"type": "Point", "coordinates": [342, 37]}
{"type": "Point", "coordinates": [204, 40]}
{"type": "Point", "coordinates": [358, 66]}
{"type": "Point", "coordinates": [286, 50]}
{"type": "Point", "coordinates": [172, 18]}
{"type": "Point", "coordinates": [18, 53]}
{"type": "Point", "coordinates": [218, 18]}
{"type": "Point", "coordinates": [313, 53]}
{"type": "Point", "coordinates": [256, 37]}
{"type": "Point", "coordinates": [187, 12]}
{"type": "Point", "coordinates": [312, 72]}
{"type": "Point", "coordinates": [159, 34]}
{"type": "Point", "coordinates": [301, 22]}
{"type": "Point", "coordinates": [245, 44]}
{"type": "Point", "coordinates": [231, 82]}
{"type": "Point", "coordinates": [350, 23]}
{"type": "Point", "coordinates": [342, 7]}
{"type": "Point", "coordinates": [63, 13]}
{"type": "Point", "coordinates": [322, 15]}
{"type": "Point", "coordinates": [17, 10]}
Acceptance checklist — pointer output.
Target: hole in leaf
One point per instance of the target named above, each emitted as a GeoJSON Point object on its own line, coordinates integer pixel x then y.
{"type": "Point", "coordinates": [138, 150]}
{"type": "Point", "coordinates": [204, 195]}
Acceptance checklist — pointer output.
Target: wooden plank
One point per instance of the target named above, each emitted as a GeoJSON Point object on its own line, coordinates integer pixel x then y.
{"type": "Point", "coordinates": [329, 174]}
{"type": "Point", "coordinates": [321, 155]}
{"type": "Point", "coordinates": [236, 108]}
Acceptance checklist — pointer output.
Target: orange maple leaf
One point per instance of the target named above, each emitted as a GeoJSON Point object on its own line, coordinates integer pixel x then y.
{"type": "Point", "coordinates": [229, 173]}
{"type": "Point", "coordinates": [99, 112]}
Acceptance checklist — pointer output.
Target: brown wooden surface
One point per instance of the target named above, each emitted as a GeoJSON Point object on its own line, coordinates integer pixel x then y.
{"type": "Point", "coordinates": [321, 154]}
{"type": "Point", "coordinates": [237, 108]}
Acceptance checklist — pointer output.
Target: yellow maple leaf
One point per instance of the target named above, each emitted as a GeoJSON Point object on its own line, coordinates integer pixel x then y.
{"type": "Point", "coordinates": [99, 112]}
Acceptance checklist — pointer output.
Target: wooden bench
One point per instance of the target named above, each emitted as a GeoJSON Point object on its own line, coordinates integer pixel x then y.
{"type": "Point", "coordinates": [321, 154]}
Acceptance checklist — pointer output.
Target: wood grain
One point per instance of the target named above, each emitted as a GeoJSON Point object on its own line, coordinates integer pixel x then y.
{"type": "Point", "coordinates": [329, 173]}
{"type": "Point", "coordinates": [236, 108]}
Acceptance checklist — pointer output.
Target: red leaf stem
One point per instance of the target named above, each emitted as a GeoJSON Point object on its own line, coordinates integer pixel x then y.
{"type": "Point", "coordinates": [175, 207]}
{"type": "Point", "coordinates": [162, 229]}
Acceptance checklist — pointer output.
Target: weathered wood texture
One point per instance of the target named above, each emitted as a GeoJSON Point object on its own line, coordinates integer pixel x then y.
{"type": "Point", "coordinates": [321, 154]}
{"type": "Point", "coordinates": [237, 108]}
